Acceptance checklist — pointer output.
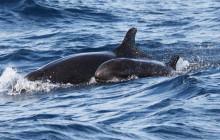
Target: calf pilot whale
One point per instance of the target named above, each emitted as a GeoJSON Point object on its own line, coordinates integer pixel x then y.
{"type": "Point", "coordinates": [80, 68]}
{"type": "Point", "coordinates": [124, 68]}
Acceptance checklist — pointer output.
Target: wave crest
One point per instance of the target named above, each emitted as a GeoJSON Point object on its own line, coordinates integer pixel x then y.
{"type": "Point", "coordinates": [31, 8]}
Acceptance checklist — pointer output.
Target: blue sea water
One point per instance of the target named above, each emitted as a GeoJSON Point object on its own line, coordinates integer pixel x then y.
{"type": "Point", "coordinates": [36, 32]}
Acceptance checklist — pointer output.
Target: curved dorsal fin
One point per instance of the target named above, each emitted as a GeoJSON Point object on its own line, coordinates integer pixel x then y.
{"type": "Point", "coordinates": [128, 46]}
{"type": "Point", "coordinates": [129, 39]}
{"type": "Point", "coordinates": [173, 61]}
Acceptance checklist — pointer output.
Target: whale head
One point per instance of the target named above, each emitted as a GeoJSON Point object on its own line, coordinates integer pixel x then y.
{"type": "Point", "coordinates": [114, 70]}
{"type": "Point", "coordinates": [35, 75]}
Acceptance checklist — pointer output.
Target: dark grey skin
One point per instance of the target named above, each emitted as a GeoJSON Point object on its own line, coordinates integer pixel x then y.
{"type": "Point", "coordinates": [79, 68]}
{"type": "Point", "coordinates": [124, 68]}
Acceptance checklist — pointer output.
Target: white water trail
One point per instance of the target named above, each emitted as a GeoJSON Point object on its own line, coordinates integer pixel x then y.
{"type": "Point", "coordinates": [13, 83]}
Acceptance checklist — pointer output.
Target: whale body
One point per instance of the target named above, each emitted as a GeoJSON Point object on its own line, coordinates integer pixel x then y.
{"type": "Point", "coordinates": [124, 68]}
{"type": "Point", "coordinates": [80, 68]}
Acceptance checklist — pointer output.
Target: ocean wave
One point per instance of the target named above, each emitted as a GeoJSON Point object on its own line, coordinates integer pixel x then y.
{"type": "Point", "coordinates": [92, 14]}
{"type": "Point", "coordinates": [10, 2]}
{"type": "Point", "coordinates": [170, 23]}
{"type": "Point", "coordinates": [173, 132]}
{"type": "Point", "coordinates": [31, 8]}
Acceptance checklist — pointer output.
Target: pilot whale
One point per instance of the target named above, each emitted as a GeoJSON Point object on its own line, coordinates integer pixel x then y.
{"type": "Point", "coordinates": [80, 68]}
{"type": "Point", "coordinates": [124, 68]}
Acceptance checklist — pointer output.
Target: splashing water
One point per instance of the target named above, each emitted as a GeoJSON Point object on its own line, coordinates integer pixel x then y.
{"type": "Point", "coordinates": [181, 64]}
{"type": "Point", "coordinates": [13, 83]}
{"type": "Point", "coordinates": [8, 79]}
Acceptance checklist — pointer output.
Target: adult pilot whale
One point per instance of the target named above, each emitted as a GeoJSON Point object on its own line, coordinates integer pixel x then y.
{"type": "Point", "coordinates": [80, 68]}
{"type": "Point", "coordinates": [124, 68]}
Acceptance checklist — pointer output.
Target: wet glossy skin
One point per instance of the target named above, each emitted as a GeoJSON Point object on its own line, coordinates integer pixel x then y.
{"type": "Point", "coordinates": [77, 69]}
{"type": "Point", "coordinates": [123, 68]}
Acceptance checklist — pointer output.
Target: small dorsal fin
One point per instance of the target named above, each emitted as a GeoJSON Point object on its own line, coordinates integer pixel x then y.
{"type": "Point", "coordinates": [173, 61]}
{"type": "Point", "coordinates": [128, 46]}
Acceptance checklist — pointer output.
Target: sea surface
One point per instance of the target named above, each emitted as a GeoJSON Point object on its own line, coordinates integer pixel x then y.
{"type": "Point", "coordinates": [184, 106]}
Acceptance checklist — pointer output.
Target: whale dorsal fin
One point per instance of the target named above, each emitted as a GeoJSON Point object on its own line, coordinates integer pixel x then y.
{"type": "Point", "coordinates": [128, 47]}
{"type": "Point", "coordinates": [129, 39]}
{"type": "Point", "coordinates": [173, 61]}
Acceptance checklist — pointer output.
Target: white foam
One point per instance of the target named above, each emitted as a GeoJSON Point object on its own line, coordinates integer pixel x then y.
{"type": "Point", "coordinates": [13, 83]}
{"type": "Point", "coordinates": [92, 81]}
{"type": "Point", "coordinates": [181, 64]}
{"type": "Point", "coordinates": [115, 79]}
{"type": "Point", "coordinates": [7, 79]}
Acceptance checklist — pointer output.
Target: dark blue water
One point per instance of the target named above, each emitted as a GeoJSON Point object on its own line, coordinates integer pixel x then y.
{"type": "Point", "coordinates": [36, 32]}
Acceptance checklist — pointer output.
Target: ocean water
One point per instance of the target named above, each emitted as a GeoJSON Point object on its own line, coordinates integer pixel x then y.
{"type": "Point", "coordinates": [36, 32]}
